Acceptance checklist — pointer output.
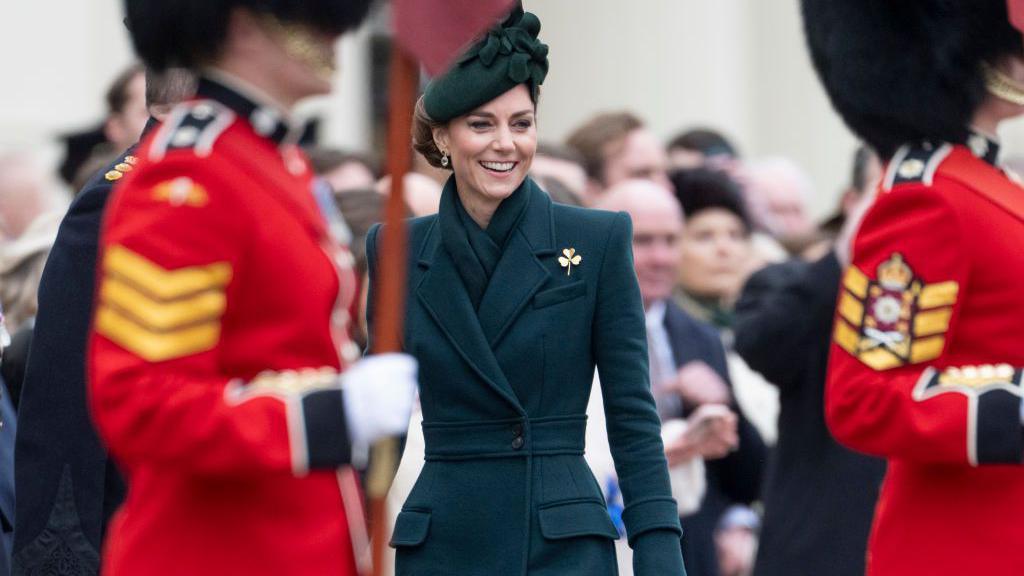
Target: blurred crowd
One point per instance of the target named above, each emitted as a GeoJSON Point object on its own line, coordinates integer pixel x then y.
{"type": "Point", "coordinates": [738, 280]}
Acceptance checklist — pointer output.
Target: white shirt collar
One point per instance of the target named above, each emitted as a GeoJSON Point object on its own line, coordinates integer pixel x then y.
{"type": "Point", "coordinates": [655, 314]}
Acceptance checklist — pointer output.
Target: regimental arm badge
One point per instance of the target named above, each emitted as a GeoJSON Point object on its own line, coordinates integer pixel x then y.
{"type": "Point", "coordinates": [896, 319]}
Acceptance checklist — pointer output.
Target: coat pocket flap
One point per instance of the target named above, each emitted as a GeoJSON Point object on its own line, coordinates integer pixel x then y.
{"type": "Point", "coordinates": [559, 294]}
{"type": "Point", "coordinates": [576, 518]}
{"type": "Point", "coordinates": [411, 528]}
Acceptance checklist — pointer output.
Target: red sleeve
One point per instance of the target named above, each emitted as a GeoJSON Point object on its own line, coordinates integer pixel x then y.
{"type": "Point", "coordinates": [171, 256]}
{"type": "Point", "coordinates": [892, 389]}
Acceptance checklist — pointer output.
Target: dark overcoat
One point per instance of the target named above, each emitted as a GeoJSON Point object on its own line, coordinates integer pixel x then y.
{"type": "Point", "coordinates": [68, 488]}
{"type": "Point", "coordinates": [504, 389]}
{"type": "Point", "coordinates": [783, 325]}
{"type": "Point", "coordinates": [8, 428]}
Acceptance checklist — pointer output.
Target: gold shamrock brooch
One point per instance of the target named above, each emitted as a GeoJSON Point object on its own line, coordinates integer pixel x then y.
{"type": "Point", "coordinates": [569, 259]}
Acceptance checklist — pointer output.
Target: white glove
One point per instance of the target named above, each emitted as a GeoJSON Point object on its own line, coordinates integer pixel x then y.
{"type": "Point", "coordinates": [379, 392]}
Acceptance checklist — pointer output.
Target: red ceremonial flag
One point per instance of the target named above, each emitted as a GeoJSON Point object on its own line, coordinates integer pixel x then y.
{"type": "Point", "coordinates": [436, 31]}
{"type": "Point", "coordinates": [1015, 8]}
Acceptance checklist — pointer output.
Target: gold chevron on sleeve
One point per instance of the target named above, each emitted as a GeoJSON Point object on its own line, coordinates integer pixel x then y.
{"type": "Point", "coordinates": [932, 322]}
{"type": "Point", "coordinates": [927, 349]}
{"type": "Point", "coordinates": [856, 282]}
{"type": "Point", "coordinates": [160, 314]}
{"type": "Point", "coordinates": [846, 337]}
{"type": "Point", "coordinates": [162, 283]}
{"type": "Point", "coordinates": [880, 359]}
{"type": "Point", "coordinates": [851, 309]}
{"type": "Point", "coordinates": [155, 346]}
{"type": "Point", "coordinates": [941, 294]}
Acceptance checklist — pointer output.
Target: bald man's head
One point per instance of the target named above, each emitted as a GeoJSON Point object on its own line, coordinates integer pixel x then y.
{"type": "Point", "coordinates": [639, 196]}
{"type": "Point", "coordinates": [657, 228]}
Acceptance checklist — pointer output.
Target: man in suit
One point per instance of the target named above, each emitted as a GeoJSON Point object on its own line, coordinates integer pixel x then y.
{"type": "Point", "coordinates": [68, 488]}
{"type": "Point", "coordinates": [688, 373]}
{"type": "Point", "coordinates": [783, 321]}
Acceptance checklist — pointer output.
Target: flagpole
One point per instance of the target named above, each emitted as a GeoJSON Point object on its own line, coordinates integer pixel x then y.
{"type": "Point", "coordinates": [418, 30]}
{"type": "Point", "coordinates": [389, 307]}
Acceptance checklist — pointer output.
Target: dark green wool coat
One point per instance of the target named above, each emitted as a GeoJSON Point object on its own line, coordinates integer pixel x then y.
{"type": "Point", "coordinates": [505, 489]}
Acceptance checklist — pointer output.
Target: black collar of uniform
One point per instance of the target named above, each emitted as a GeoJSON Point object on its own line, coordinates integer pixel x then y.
{"type": "Point", "coordinates": [266, 120]}
{"type": "Point", "coordinates": [151, 124]}
{"type": "Point", "coordinates": [983, 146]}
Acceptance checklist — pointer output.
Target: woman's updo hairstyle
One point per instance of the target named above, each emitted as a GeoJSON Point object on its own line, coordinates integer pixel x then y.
{"type": "Point", "coordinates": [423, 136]}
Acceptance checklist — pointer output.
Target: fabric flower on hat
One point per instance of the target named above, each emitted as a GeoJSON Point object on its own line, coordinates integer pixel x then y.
{"type": "Point", "coordinates": [507, 56]}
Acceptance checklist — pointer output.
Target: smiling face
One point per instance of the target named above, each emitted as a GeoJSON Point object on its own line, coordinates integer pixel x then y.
{"type": "Point", "coordinates": [491, 148]}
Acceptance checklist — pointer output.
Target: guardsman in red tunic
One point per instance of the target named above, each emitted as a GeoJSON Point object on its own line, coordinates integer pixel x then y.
{"type": "Point", "coordinates": [221, 374]}
{"type": "Point", "coordinates": [927, 350]}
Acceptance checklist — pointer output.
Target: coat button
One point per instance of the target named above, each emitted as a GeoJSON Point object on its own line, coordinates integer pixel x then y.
{"type": "Point", "coordinates": [517, 430]}
{"type": "Point", "coordinates": [517, 442]}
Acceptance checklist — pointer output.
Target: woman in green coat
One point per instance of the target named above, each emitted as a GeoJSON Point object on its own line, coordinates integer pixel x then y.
{"type": "Point", "coordinates": [512, 303]}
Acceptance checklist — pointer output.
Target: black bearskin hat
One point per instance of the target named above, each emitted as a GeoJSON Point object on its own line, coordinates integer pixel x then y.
{"type": "Point", "coordinates": [899, 71]}
{"type": "Point", "coordinates": [188, 33]}
{"type": "Point", "coordinates": [699, 189]}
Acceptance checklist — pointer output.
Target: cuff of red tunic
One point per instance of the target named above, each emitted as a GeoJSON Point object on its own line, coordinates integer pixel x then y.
{"type": "Point", "coordinates": [650, 514]}
{"type": "Point", "coordinates": [326, 431]}
{"type": "Point", "coordinates": [998, 433]}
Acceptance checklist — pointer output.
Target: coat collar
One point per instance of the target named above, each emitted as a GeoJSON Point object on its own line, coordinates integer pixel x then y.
{"type": "Point", "coordinates": [518, 276]}
{"type": "Point", "coordinates": [983, 146]}
{"type": "Point", "coordinates": [537, 227]}
{"type": "Point", "coordinates": [267, 118]}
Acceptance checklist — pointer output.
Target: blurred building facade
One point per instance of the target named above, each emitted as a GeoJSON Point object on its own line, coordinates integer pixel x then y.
{"type": "Point", "coordinates": [739, 66]}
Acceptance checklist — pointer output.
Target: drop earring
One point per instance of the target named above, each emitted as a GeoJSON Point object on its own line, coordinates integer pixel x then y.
{"type": "Point", "coordinates": [444, 160]}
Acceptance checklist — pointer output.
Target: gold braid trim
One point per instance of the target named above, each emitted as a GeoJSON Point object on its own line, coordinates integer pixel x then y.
{"type": "Point", "coordinates": [1002, 86]}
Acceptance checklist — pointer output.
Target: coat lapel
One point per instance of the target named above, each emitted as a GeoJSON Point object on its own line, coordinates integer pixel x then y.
{"type": "Point", "coordinates": [445, 297]}
{"type": "Point", "coordinates": [677, 332]}
{"type": "Point", "coordinates": [520, 272]}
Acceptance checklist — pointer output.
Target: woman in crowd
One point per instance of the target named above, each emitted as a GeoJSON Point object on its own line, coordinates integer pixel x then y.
{"type": "Point", "coordinates": [513, 300]}
{"type": "Point", "coordinates": [716, 244]}
{"type": "Point", "coordinates": [717, 258]}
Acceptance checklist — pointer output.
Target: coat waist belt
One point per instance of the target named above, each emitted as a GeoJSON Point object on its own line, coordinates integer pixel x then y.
{"type": "Point", "coordinates": [518, 437]}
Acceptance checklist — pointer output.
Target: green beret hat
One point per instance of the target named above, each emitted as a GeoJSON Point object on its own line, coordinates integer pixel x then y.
{"type": "Point", "coordinates": [509, 55]}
